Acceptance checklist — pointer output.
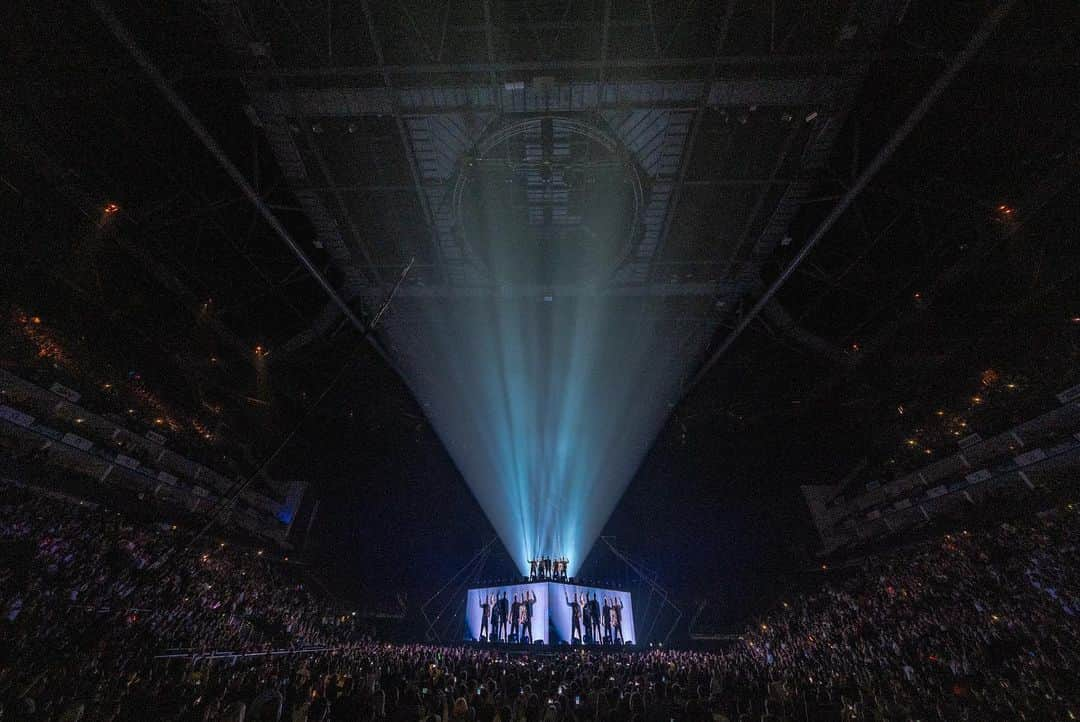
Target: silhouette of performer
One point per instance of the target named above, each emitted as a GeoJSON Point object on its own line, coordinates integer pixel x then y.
{"type": "Point", "coordinates": [485, 617]}
{"type": "Point", "coordinates": [607, 621]}
{"type": "Point", "coordinates": [575, 617]}
{"type": "Point", "coordinates": [594, 620]}
{"type": "Point", "coordinates": [532, 569]}
{"type": "Point", "coordinates": [515, 618]}
{"type": "Point", "coordinates": [496, 611]}
{"type": "Point", "coordinates": [616, 620]}
{"type": "Point", "coordinates": [504, 616]}
{"type": "Point", "coordinates": [526, 611]}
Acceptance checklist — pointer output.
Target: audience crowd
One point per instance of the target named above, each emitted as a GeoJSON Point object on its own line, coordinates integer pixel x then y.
{"type": "Point", "coordinates": [980, 625]}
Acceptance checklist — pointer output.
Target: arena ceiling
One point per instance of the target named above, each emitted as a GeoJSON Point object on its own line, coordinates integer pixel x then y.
{"type": "Point", "coordinates": [729, 128]}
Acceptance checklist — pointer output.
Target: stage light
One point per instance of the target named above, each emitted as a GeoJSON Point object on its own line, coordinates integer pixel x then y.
{"type": "Point", "coordinates": [976, 399]}
{"type": "Point", "coordinates": [912, 442]}
{"type": "Point", "coordinates": [111, 208]}
{"type": "Point", "coordinates": [546, 408]}
{"type": "Point", "coordinates": [79, 420]}
{"type": "Point", "coordinates": [36, 320]}
{"type": "Point", "coordinates": [855, 347]}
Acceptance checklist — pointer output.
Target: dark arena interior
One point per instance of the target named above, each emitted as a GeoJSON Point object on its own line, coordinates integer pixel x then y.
{"type": "Point", "coordinates": [540, 360]}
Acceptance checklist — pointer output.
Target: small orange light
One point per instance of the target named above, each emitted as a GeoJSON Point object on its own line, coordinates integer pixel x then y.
{"type": "Point", "coordinates": [159, 421]}
{"type": "Point", "coordinates": [36, 319]}
{"type": "Point", "coordinates": [854, 347]}
{"type": "Point", "coordinates": [940, 412]}
{"type": "Point", "coordinates": [111, 208]}
{"type": "Point", "coordinates": [976, 399]}
{"type": "Point", "coordinates": [918, 296]}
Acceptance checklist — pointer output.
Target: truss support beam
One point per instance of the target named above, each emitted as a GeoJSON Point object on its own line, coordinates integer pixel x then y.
{"type": "Point", "coordinates": [917, 114]}
{"type": "Point", "coordinates": [195, 125]}
{"type": "Point", "coordinates": [403, 135]}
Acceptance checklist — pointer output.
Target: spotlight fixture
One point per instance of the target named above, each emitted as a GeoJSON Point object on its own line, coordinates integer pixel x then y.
{"type": "Point", "coordinates": [111, 208]}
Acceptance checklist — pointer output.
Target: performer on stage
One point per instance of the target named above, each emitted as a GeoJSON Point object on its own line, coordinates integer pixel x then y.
{"type": "Point", "coordinates": [575, 617]}
{"type": "Point", "coordinates": [515, 618]}
{"type": "Point", "coordinates": [485, 617]}
{"type": "Point", "coordinates": [594, 620]}
{"type": "Point", "coordinates": [526, 611]}
{"type": "Point", "coordinates": [607, 620]}
{"type": "Point", "coordinates": [532, 569]}
{"type": "Point", "coordinates": [504, 617]}
{"type": "Point", "coordinates": [616, 621]}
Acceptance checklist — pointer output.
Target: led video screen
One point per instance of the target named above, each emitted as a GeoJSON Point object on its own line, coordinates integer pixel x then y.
{"type": "Point", "coordinates": [590, 615]}
{"type": "Point", "coordinates": [515, 613]}
{"type": "Point", "coordinates": [549, 612]}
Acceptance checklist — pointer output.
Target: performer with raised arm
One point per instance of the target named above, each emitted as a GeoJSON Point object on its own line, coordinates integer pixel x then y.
{"type": "Point", "coordinates": [504, 616]}
{"type": "Point", "coordinates": [616, 621]}
{"type": "Point", "coordinates": [496, 613]}
{"type": "Point", "coordinates": [526, 616]}
{"type": "Point", "coordinates": [515, 618]}
{"type": "Point", "coordinates": [575, 617]}
{"type": "Point", "coordinates": [594, 620]}
{"type": "Point", "coordinates": [607, 620]}
{"type": "Point", "coordinates": [485, 618]}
